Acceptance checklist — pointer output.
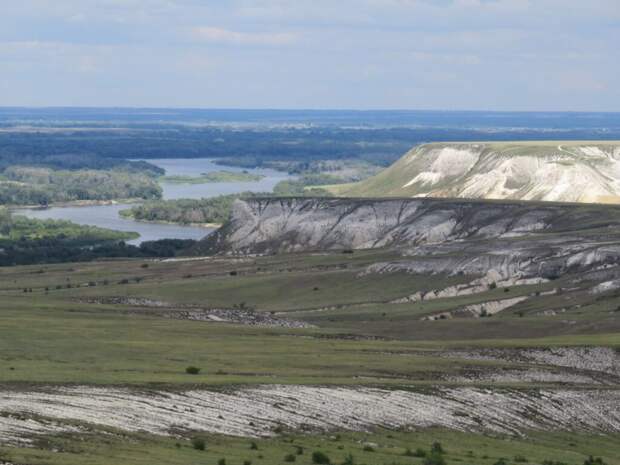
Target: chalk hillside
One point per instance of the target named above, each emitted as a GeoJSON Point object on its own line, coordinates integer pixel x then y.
{"type": "Point", "coordinates": [559, 171]}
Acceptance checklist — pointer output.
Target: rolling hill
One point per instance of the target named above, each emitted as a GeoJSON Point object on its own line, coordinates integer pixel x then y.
{"type": "Point", "coordinates": [560, 171]}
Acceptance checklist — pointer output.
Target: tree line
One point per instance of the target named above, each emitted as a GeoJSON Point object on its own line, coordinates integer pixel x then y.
{"type": "Point", "coordinates": [27, 185]}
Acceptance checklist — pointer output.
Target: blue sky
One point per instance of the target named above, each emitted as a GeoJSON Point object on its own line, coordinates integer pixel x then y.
{"type": "Point", "coordinates": [366, 54]}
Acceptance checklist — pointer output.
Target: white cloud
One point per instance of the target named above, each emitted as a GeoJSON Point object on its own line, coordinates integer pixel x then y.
{"type": "Point", "coordinates": [59, 56]}
{"type": "Point", "coordinates": [446, 58]}
{"type": "Point", "coordinates": [24, 49]}
{"type": "Point", "coordinates": [536, 54]}
{"type": "Point", "coordinates": [226, 36]}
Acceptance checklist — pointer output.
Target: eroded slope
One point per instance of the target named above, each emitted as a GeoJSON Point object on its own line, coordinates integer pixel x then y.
{"type": "Point", "coordinates": [275, 225]}
{"type": "Point", "coordinates": [564, 171]}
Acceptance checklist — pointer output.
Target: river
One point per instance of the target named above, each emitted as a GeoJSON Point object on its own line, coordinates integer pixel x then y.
{"type": "Point", "coordinates": [106, 216]}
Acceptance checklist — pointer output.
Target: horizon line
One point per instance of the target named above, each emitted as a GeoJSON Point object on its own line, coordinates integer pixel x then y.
{"type": "Point", "coordinates": [358, 110]}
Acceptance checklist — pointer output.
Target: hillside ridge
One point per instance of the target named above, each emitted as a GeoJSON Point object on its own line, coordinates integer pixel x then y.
{"type": "Point", "coordinates": [273, 225]}
{"type": "Point", "coordinates": [561, 171]}
{"type": "Point", "coordinates": [514, 243]}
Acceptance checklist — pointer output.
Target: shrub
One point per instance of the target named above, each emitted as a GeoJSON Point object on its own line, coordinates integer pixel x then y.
{"type": "Point", "coordinates": [419, 452]}
{"type": "Point", "coordinates": [247, 462]}
{"type": "Point", "coordinates": [520, 459]}
{"type": "Point", "coordinates": [199, 443]}
{"type": "Point", "coordinates": [594, 461]}
{"type": "Point", "coordinates": [253, 446]}
{"type": "Point", "coordinates": [493, 285]}
{"type": "Point", "coordinates": [368, 448]}
{"type": "Point", "coordinates": [349, 460]}
{"type": "Point", "coordinates": [501, 461]}
{"type": "Point", "coordinates": [221, 462]}
{"type": "Point", "coordinates": [437, 448]}
{"type": "Point", "coordinates": [299, 450]}
{"type": "Point", "coordinates": [434, 458]}
{"type": "Point", "coordinates": [290, 457]}
{"type": "Point", "coordinates": [320, 458]}
{"type": "Point", "coordinates": [191, 370]}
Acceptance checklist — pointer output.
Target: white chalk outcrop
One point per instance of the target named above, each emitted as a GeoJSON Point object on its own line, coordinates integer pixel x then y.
{"type": "Point", "coordinates": [268, 225]}
{"type": "Point", "coordinates": [499, 244]}
{"type": "Point", "coordinates": [258, 411]}
{"type": "Point", "coordinates": [551, 171]}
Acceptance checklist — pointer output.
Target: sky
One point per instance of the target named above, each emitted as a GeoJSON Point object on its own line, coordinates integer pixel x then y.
{"type": "Point", "coordinates": [538, 55]}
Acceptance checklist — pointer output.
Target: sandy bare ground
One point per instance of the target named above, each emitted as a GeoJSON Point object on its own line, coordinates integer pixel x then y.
{"type": "Point", "coordinates": [253, 412]}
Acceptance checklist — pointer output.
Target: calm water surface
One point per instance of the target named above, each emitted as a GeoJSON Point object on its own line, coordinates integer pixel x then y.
{"type": "Point", "coordinates": [106, 216]}
{"type": "Point", "coordinates": [195, 167]}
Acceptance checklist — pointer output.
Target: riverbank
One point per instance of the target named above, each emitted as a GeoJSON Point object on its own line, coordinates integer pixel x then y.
{"type": "Point", "coordinates": [127, 215]}
{"type": "Point", "coordinates": [107, 216]}
{"type": "Point", "coordinates": [213, 177]}
{"type": "Point", "coordinates": [76, 203]}
{"type": "Point", "coordinates": [105, 213]}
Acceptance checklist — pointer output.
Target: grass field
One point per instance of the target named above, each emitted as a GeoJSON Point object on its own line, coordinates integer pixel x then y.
{"type": "Point", "coordinates": [60, 335]}
{"type": "Point", "coordinates": [380, 447]}
{"type": "Point", "coordinates": [59, 327]}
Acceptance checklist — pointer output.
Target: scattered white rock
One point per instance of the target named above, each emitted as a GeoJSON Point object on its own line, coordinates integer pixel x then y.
{"type": "Point", "coordinates": [257, 411]}
{"type": "Point", "coordinates": [241, 315]}
{"type": "Point", "coordinates": [594, 359]}
{"type": "Point", "coordinates": [476, 286]}
{"type": "Point", "coordinates": [603, 359]}
{"type": "Point", "coordinates": [478, 310]}
{"type": "Point", "coordinates": [18, 429]}
{"type": "Point", "coordinates": [523, 376]}
{"type": "Point", "coordinates": [606, 286]}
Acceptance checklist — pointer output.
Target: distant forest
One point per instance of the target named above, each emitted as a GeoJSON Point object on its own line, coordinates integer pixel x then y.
{"type": "Point", "coordinates": [101, 148]}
